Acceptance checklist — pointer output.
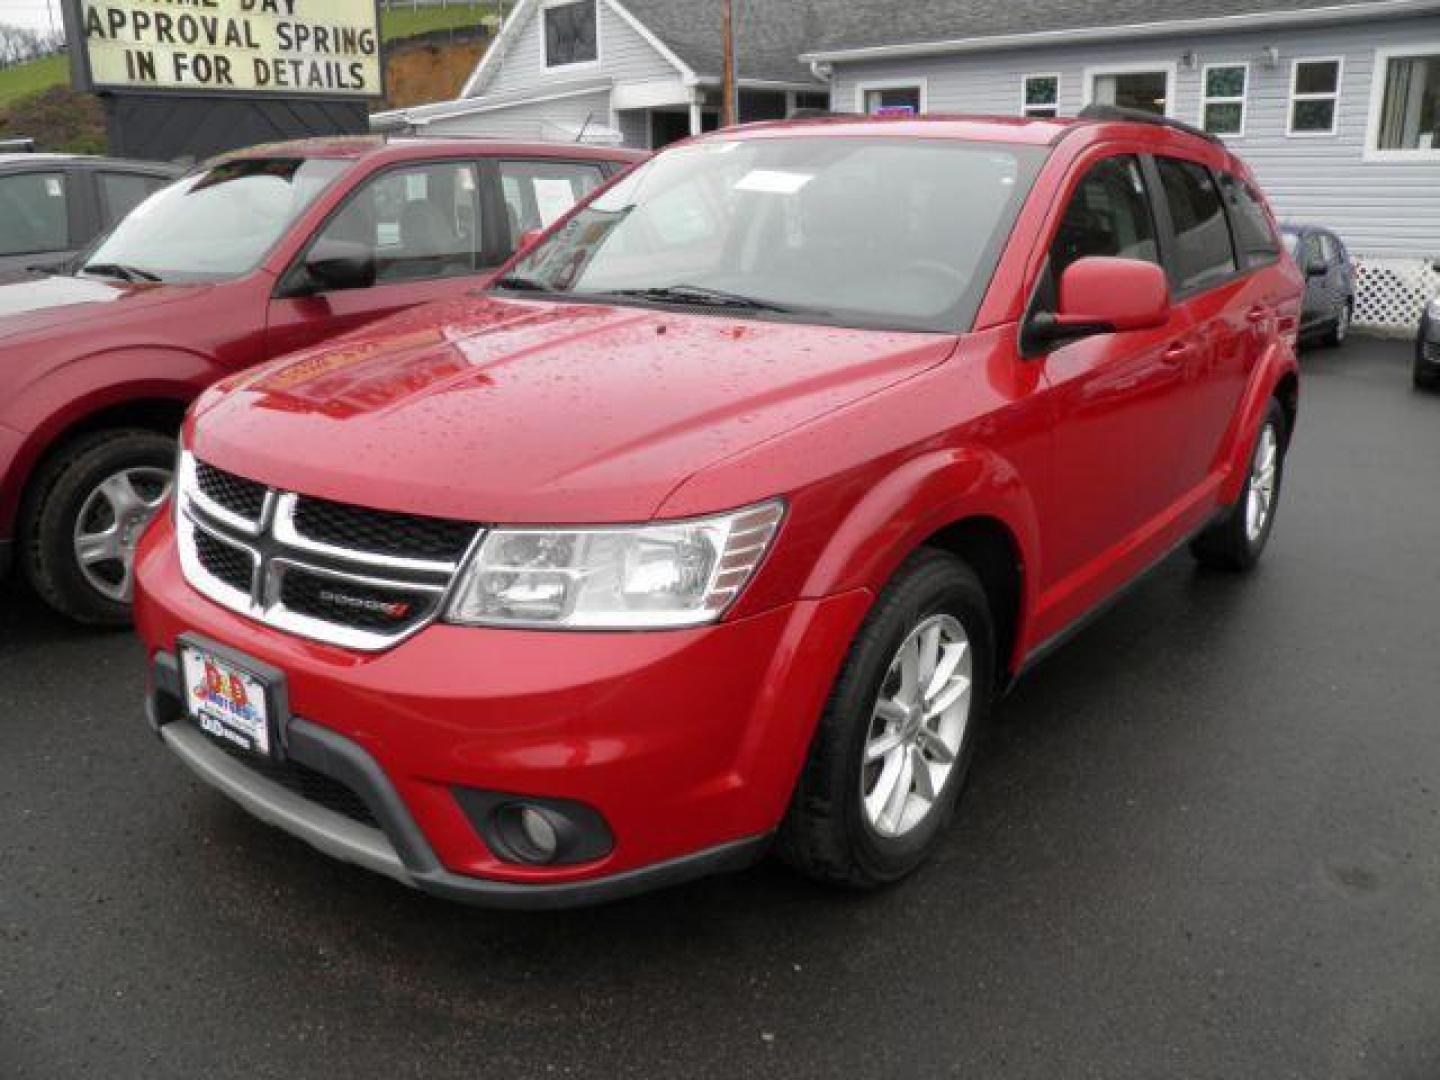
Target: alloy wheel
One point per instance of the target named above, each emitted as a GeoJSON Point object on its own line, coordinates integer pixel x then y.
{"type": "Point", "coordinates": [111, 521]}
{"type": "Point", "coordinates": [917, 726]}
{"type": "Point", "coordinates": [1260, 497]}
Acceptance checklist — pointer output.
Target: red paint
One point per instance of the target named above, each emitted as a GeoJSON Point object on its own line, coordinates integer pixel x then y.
{"type": "Point", "coordinates": [1095, 460]}
{"type": "Point", "coordinates": [106, 345]}
{"type": "Point", "coordinates": [1123, 294]}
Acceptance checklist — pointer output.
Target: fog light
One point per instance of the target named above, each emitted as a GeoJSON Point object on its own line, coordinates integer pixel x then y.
{"type": "Point", "coordinates": [539, 832]}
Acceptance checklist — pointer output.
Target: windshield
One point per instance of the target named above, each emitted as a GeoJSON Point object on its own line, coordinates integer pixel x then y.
{"type": "Point", "coordinates": [871, 232]}
{"type": "Point", "coordinates": [214, 224]}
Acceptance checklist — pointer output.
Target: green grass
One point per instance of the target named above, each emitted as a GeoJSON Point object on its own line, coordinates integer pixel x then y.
{"type": "Point", "coordinates": [23, 80]}
{"type": "Point", "coordinates": [403, 22]}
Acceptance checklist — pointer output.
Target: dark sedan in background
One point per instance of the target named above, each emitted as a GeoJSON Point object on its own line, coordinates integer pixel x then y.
{"type": "Point", "coordinates": [53, 205]}
{"type": "Point", "coordinates": [1329, 304]}
{"type": "Point", "coordinates": [1427, 348]}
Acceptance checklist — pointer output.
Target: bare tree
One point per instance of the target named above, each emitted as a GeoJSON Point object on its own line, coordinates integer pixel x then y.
{"type": "Point", "coordinates": [19, 44]}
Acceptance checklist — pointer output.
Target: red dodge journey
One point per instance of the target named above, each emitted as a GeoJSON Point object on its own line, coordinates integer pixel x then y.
{"type": "Point", "coordinates": [720, 520]}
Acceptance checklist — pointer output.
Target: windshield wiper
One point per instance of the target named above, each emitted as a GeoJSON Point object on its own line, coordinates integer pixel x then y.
{"type": "Point", "coordinates": [517, 283]}
{"type": "Point", "coordinates": [119, 270]}
{"type": "Point", "coordinates": [702, 294]}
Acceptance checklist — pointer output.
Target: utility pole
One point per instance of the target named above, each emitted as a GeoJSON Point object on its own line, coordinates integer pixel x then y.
{"type": "Point", "coordinates": [729, 113]}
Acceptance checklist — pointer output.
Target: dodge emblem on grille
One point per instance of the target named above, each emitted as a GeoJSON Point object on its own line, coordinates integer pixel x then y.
{"type": "Point", "coordinates": [392, 609]}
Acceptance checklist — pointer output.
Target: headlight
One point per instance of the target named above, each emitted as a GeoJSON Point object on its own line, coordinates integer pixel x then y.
{"type": "Point", "coordinates": [682, 573]}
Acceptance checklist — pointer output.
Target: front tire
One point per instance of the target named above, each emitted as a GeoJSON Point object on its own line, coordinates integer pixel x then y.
{"type": "Point", "coordinates": [84, 515]}
{"type": "Point", "coordinates": [893, 747]}
{"type": "Point", "coordinates": [1237, 540]}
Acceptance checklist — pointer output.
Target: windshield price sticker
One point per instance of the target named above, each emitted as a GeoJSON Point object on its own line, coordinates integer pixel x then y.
{"type": "Point", "coordinates": [773, 181]}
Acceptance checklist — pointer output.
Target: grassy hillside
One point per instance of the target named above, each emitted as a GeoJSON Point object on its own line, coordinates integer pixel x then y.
{"type": "Point", "coordinates": [22, 80]}
{"type": "Point", "coordinates": [401, 23]}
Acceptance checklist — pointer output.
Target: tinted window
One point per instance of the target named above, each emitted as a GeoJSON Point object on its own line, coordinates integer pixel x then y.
{"type": "Point", "coordinates": [32, 214]}
{"type": "Point", "coordinates": [420, 222]}
{"type": "Point", "coordinates": [570, 34]}
{"type": "Point", "coordinates": [1109, 214]}
{"type": "Point", "coordinates": [1203, 253]}
{"type": "Point", "coordinates": [122, 192]}
{"type": "Point", "coordinates": [538, 193]}
{"type": "Point", "coordinates": [899, 233]}
{"type": "Point", "coordinates": [1254, 232]}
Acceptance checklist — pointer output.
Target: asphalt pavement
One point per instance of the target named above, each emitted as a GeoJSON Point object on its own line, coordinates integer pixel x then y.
{"type": "Point", "coordinates": [1203, 840]}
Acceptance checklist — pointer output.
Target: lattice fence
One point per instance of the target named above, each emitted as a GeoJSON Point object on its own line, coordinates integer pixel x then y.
{"type": "Point", "coordinates": [1390, 293]}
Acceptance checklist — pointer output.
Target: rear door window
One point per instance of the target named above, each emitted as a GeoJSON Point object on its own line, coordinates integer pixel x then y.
{"type": "Point", "coordinates": [538, 193]}
{"type": "Point", "coordinates": [1203, 252]}
{"type": "Point", "coordinates": [1254, 232]}
{"type": "Point", "coordinates": [33, 213]}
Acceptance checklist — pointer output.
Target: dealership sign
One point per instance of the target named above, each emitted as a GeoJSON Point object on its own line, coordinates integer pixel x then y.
{"type": "Point", "coordinates": [288, 48]}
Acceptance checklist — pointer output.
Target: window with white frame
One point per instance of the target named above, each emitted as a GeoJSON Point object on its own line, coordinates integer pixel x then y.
{"type": "Point", "coordinates": [571, 33]}
{"type": "Point", "coordinates": [1314, 97]}
{"type": "Point", "coordinates": [892, 99]}
{"type": "Point", "coordinates": [1222, 108]}
{"type": "Point", "coordinates": [1405, 115]}
{"type": "Point", "coordinates": [1040, 96]}
{"type": "Point", "coordinates": [1145, 89]}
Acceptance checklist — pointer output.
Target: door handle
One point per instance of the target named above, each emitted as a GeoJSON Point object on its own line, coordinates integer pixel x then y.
{"type": "Point", "coordinates": [1177, 352]}
{"type": "Point", "coordinates": [1257, 314]}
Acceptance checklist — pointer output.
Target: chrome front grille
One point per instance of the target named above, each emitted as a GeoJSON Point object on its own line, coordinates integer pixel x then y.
{"type": "Point", "coordinates": [348, 575]}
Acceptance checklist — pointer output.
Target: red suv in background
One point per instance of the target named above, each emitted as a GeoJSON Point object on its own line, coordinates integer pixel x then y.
{"type": "Point", "coordinates": [722, 519]}
{"type": "Point", "coordinates": [256, 254]}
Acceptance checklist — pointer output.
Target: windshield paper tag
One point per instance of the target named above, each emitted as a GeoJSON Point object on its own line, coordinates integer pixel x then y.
{"type": "Point", "coordinates": [773, 181]}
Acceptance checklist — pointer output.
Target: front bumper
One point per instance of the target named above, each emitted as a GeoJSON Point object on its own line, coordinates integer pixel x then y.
{"type": "Point", "coordinates": [687, 743]}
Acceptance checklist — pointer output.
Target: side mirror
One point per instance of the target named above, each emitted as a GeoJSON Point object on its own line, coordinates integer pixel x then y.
{"type": "Point", "coordinates": [1105, 295]}
{"type": "Point", "coordinates": [528, 240]}
{"type": "Point", "coordinates": [341, 264]}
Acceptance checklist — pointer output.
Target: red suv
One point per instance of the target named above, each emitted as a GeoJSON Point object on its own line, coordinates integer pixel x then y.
{"type": "Point", "coordinates": [722, 519]}
{"type": "Point", "coordinates": [258, 253]}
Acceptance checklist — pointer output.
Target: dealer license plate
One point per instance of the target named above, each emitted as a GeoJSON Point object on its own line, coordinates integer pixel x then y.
{"type": "Point", "coordinates": [226, 701]}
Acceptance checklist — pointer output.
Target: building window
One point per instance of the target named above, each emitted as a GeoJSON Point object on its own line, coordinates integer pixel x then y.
{"type": "Point", "coordinates": [1145, 88]}
{"type": "Point", "coordinates": [1405, 108]}
{"type": "Point", "coordinates": [1314, 97]}
{"type": "Point", "coordinates": [812, 101]}
{"type": "Point", "coordinates": [1222, 109]}
{"type": "Point", "coordinates": [892, 99]}
{"type": "Point", "coordinates": [1040, 96]}
{"type": "Point", "coordinates": [570, 34]}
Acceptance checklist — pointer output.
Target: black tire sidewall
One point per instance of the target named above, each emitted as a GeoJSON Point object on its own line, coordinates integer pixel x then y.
{"type": "Point", "coordinates": [51, 565]}
{"type": "Point", "coordinates": [940, 585]}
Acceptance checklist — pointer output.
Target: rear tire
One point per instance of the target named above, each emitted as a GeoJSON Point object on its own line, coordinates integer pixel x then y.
{"type": "Point", "coordinates": [108, 480]}
{"type": "Point", "coordinates": [1339, 330]}
{"type": "Point", "coordinates": [837, 829]}
{"type": "Point", "coordinates": [1238, 539]}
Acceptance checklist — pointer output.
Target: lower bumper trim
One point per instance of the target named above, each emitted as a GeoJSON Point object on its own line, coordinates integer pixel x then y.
{"type": "Point", "coordinates": [398, 850]}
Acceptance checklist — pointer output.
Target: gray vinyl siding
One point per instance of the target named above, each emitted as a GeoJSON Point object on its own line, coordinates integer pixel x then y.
{"type": "Point", "coordinates": [625, 56]}
{"type": "Point", "coordinates": [1389, 210]}
{"type": "Point", "coordinates": [526, 122]}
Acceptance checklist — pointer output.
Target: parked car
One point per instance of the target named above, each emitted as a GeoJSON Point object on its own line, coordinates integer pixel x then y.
{"type": "Point", "coordinates": [260, 253]}
{"type": "Point", "coordinates": [1427, 348]}
{"type": "Point", "coordinates": [53, 205]}
{"type": "Point", "coordinates": [1329, 304]}
{"type": "Point", "coordinates": [723, 518]}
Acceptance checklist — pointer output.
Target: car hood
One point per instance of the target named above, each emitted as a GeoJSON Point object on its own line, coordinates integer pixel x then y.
{"type": "Point", "coordinates": [528, 411]}
{"type": "Point", "coordinates": [42, 305]}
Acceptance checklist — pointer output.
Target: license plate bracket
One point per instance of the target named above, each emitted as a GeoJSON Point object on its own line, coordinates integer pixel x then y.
{"type": "Point", "coordinates": [234, 698]}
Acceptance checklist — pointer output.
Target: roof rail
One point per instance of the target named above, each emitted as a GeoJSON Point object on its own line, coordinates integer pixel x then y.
{"type": "Point", "coordinates": [1140, 116]}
